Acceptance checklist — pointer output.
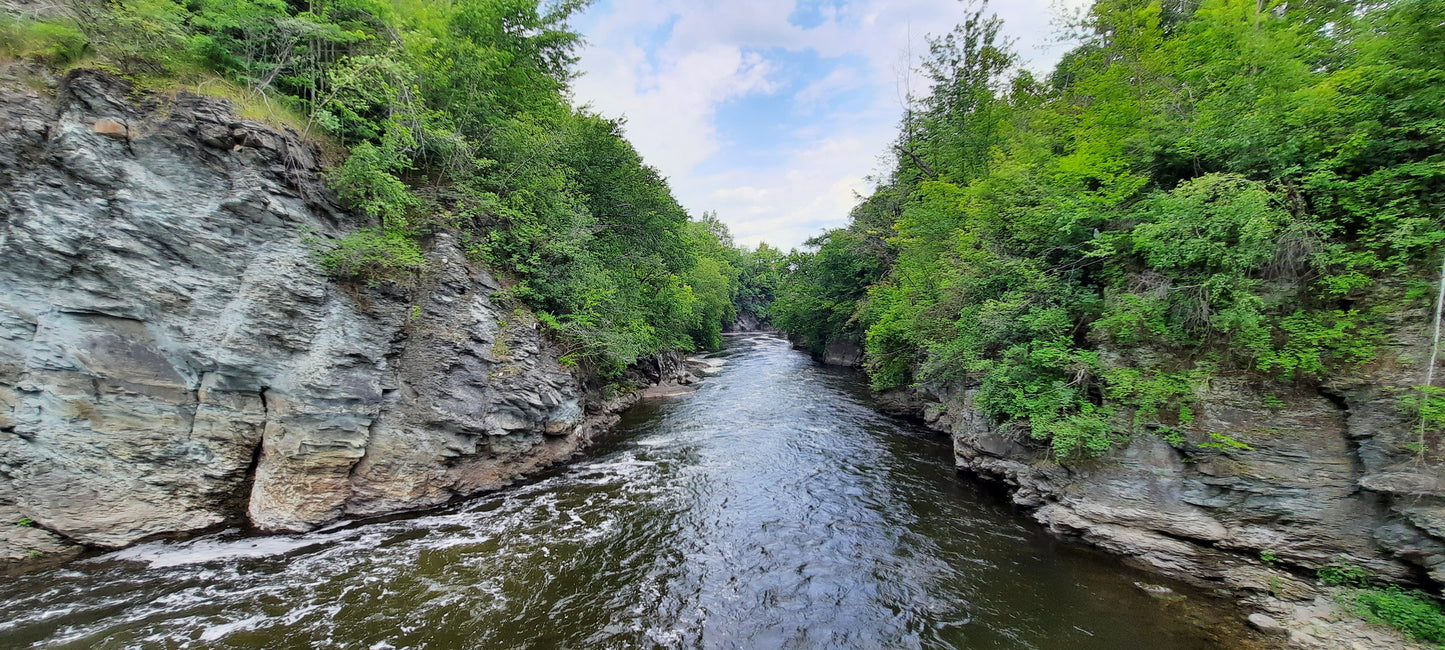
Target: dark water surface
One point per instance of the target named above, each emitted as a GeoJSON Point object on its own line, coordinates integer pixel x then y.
{"type": "Point", "coordinates": [771, 509]}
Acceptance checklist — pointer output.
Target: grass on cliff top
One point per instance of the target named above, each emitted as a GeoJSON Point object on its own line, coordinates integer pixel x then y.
{"type": "Point", "coordinates": [260, 106]}
{"type": "Point", "coordinates": [252, 105]}
{"type": "Point", "coordinates": [61, 47]}
{"type": "Point", "coordinates": [53, 44]}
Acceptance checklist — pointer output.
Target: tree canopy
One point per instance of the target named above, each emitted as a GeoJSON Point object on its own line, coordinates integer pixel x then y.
{"type": "Point", "coordinates": [1197, 187]}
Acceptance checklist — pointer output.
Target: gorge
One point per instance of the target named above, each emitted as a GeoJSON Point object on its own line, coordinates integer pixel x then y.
{"type": "Point", "coordinates": [340, 348]}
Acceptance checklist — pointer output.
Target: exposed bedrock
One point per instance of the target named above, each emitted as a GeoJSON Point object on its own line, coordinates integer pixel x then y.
{"type": "Point", "coordinates": [747, 322]}
{"type": "Point", "coordinates": [843, 352]}
{"type": "Point", "coordinates": [172, 355]}
{"type": "Point", "coordinates": [1330, 474]}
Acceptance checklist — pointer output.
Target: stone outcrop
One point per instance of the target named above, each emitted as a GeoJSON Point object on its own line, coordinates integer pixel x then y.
{"type": "Point", "coordinates": [846, 353]}
{"type": "Point", "coordinates": [843, 352]}
{"type": "Point", "coordinates": [172, 356]}
{"type": "Point", "coordinates": [1266, 485]}
{"type": "Point", "coordinates": [747, 322]}
{"type": "Point", "coordinates": [1267, 482]}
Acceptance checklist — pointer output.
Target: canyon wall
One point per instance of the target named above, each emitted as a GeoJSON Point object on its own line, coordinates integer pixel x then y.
{"type": "Point", "coordinates": [1266, 477]}
{"type": "Point", "coordinates": [173, 357]}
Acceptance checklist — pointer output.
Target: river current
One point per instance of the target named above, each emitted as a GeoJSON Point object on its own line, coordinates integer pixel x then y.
{"type": "Point", "coordinates": [772, 508]}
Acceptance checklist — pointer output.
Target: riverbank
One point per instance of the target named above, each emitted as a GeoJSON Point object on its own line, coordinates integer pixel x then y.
{"type": "Point", "coordinates": [1254, 521]}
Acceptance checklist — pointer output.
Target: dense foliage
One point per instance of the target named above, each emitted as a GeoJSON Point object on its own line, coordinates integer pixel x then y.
{"type": "Point", "coordinates": [1224, 185]}
{"type": "Point", "coordinates": [451, 115]}
{"type": "Point", "coordinates": [761, 271]}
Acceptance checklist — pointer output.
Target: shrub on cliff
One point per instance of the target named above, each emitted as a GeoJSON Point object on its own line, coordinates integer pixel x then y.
{"type": "Point", "coordinates": [375, 254]}
{"type": "Point", "coordinates": [1412, 612]}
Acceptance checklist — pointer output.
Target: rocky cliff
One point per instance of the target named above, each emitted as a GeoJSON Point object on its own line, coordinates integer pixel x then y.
{"type": "Point", "coordinates": [173, 358]}
{"type": "Point", "coordinates": [746, 322]}
{"type": "Point", "coordinates": [843, 352]}
{"type": "Point", "coordinates": [1268, 481]}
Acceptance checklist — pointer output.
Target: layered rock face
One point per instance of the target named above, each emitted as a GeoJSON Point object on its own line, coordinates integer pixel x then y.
{"type": "Point", "coordinates": [846, 353]}
{"type": "Point", "coordinates": [172, 355]}
{"type": "Point", "coordinates": [746, 322]}
{"type": "Point", "coordinates": [1264, 478]}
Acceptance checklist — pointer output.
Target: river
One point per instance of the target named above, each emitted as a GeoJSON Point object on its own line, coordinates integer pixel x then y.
{"type": "Point", "coordinates": [772, 508]}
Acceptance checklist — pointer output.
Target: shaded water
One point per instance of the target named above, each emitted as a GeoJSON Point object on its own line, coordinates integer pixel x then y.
{"type": "Point", "coordinates": [773, 508]}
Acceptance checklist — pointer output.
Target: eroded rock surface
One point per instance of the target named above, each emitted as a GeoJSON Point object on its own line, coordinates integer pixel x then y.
{"type": "Point", "coordinates": [1263, 477]}
{"type": "Point", "coordinates": [172, 355]}
{"type": "Point", "coordinates": [746, 322]}
{"type": "Point", "coordinates": [1264, 487]}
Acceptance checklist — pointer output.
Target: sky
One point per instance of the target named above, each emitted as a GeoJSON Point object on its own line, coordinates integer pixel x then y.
{"type": "Point", "coordinates": [774, 113]}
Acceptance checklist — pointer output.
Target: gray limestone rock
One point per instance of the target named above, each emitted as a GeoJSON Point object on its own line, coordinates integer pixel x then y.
{"type": "Point", "coordinates": [1324, 478]}
{"type": "Point", "coordinates": [173, 357]}
{"type": "Point", "coordinates": [846, 353]}
{"type": "Point", "coordinates": [1321, 479]}
{"type": "Point", "coordinates": [1267, 624]}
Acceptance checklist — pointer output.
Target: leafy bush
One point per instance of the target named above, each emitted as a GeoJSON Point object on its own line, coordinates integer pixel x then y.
{"type": "Point", "coordinates": [1344, 574]}
{"type": "Point", "coordinates": [56, 44]}
{"type": "Point", "coordinates": [1412, 612]}
{"type": "Point", "coordinates": [1426, 405]}
{"type": "Point", "coordinates": [367, 181]}
{"type": "Point", "coordinates": [375, 254]}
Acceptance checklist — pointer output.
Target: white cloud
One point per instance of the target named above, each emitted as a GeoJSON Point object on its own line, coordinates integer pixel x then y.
{"type": "Point", "coordinates": [671, 65]}
{"type": "Point", "coordinates": [670, 110]}
{"type": "Point", "coordinates": [820, 92]}
{"type": "Point", "coordinates": [809, 190]}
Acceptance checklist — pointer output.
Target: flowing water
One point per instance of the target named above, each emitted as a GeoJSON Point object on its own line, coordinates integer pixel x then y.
{"type": "Point", "coordinates": [771, 509]}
